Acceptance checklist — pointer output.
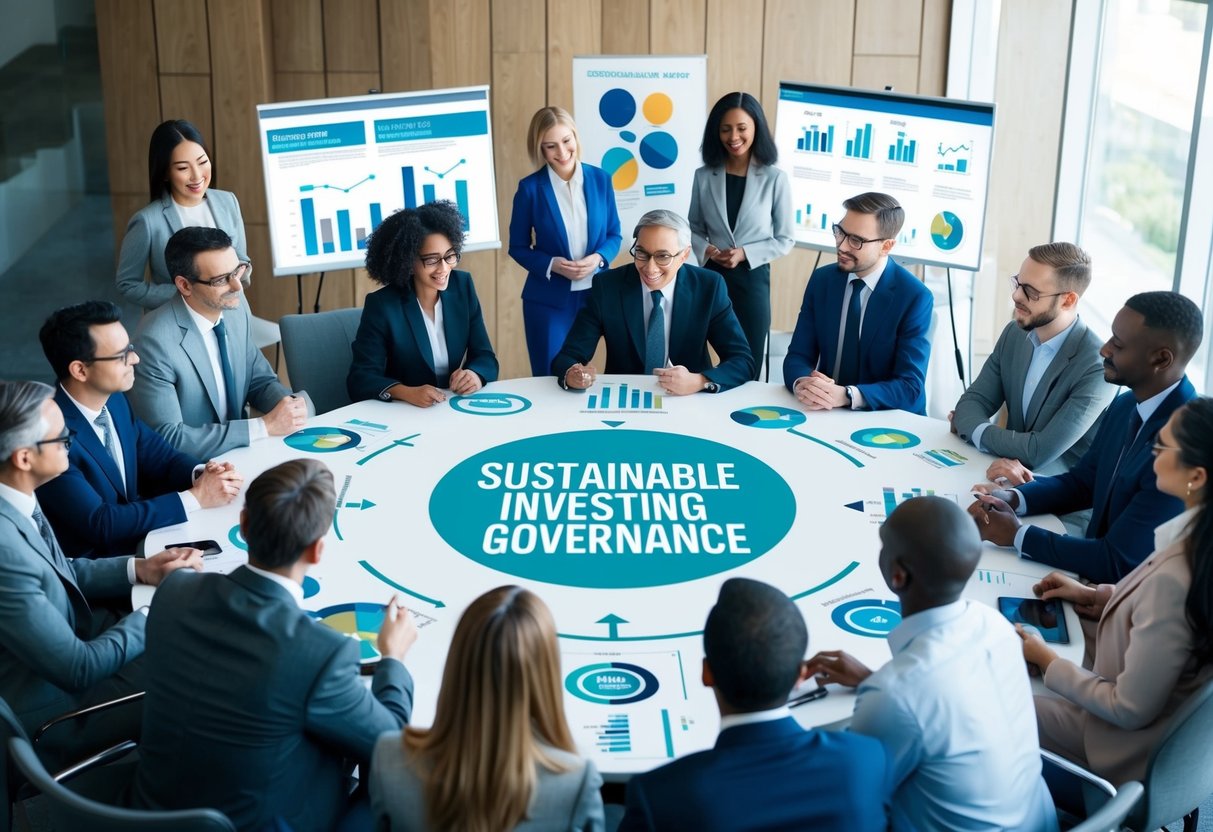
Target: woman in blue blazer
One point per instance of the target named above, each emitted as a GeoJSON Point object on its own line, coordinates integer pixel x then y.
{"type": "Point", "coordinates": [423, 331]}
{"type": "Point", "coordinates": [563, 231]}
{"type": "Point", "coordinates": [741, 211]}
{"type": "Point", "coordinates": [179, 178]}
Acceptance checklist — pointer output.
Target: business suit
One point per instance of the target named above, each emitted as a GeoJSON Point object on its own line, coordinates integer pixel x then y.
{"type": "Point", "coordinates": [1064, 412]}
{"type": "Point", "coordinates": [148, 233]}
{"type": "Point", "coordinates": [254, 703]}
{"type": "Point", "coordinates": [1114, 713]}
{"type": "Point", "coordinates": [567, 800]}
{"type": "Point", "coordinates": [93, 513]}
{"type": "Point", "coordinates": [893, 343]}
{"type": "Point", "coordinates": [763, 228]}
{"type": "Point", "coordinates": [392, 345]}
{"type": "Point", "coordinates": [549, 305]}
{"type": "Point", "coordinates": [175, 390]}
{"type": "Point", "coordinates": [766, 775]}
{"type": "Point", "coordinates": [1125, 510]}
{"type": "Point", "coordinates": [701, 315]}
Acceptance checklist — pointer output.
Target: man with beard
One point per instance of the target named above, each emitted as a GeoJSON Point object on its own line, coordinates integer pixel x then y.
{"type": "Point", "coordinates": [1045, 368]}
{"type": "Point", "coordinates": [1153, 338]}
{"type": "Point", "coordinates": [835, 359]}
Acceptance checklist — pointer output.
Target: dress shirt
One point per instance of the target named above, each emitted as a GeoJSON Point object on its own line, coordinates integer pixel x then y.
{"type": "Point", "coordinates": [206, 328]}
{"type": "Point", "coordinates": [195, 215]}
{"type": "Point", "coordinates": [435, 329]}
{"type": "Point", "coordinates": [870, 282]}
{"type": "Point", "coordinates": [667, 307]}
{"type": "Point", "coordinates": [754, 717]}
{"type": "Point", "coordinates": [296, 590]}
{"type": "Point", "coordinates": [570, 199]}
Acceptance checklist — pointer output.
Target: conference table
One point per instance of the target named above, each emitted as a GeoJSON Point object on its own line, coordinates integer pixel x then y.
{"type": "Point", "coordinates": [625, 509]}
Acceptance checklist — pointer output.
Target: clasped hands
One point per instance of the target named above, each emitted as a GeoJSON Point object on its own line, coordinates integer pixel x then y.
{"type": "Point", "coordinates": [818, 391]}
{"type": "Point", "coordinates": [676, 381]}
{"type": "Point", "coordinates": [576, 269]}
{"type": "Point", "coordinates": [729, 258]}
{"type": "Point", "coordinates": [994, 508]}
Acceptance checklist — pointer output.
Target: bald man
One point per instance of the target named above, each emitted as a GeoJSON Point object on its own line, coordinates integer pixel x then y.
{"type": "Point", "coordinates": [953, 706]}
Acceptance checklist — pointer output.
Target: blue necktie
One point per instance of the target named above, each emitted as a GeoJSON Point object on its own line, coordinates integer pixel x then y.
{"type": "Point", "coordinates": [654, 343]}
{"type": "Point", "coordinates": [229, 378]}
{"type": "Point", "coordinates": [848, 365]}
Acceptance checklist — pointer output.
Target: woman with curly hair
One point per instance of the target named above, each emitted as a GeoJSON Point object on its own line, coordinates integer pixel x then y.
{"type": "Point", "coordinates": [423, 332]}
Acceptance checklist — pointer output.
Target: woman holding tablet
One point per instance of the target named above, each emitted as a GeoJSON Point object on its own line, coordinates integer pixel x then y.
{"type": "Point", "coordinates": [499, 755]}
{"type": "Point", "coordinates": [564, 229]}
{"type": "Point", "coordinates": [423, 331]}
{"type": "Point", "coordinates": [741, 211]}
{"type": "Point", "coordinates": [1153, 646]}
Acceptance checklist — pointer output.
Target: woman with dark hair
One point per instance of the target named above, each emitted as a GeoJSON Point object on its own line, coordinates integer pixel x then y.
{"type": "Point", "coordinates": [179, 177]}
{"type": "Point", "coordinates": [499, 755]}
{"type": "Point", "coordinates": [741, 211]}
{"type": "Point", "coordinates": [1153, 645]}
{"type": "Point", "coordinates": [423, 331]}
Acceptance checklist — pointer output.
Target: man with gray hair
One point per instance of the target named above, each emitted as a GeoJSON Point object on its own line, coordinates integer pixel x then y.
{"type": "Point", "coordinates": [57, 652]}
{"type": "Point", "coordinates": [658, 315]}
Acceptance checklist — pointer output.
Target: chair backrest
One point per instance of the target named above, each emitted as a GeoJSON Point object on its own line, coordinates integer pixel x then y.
{"type": "Point", "coordinates": [10, 780]}
{"type": "Point", "coordinates": [1180, 773]}
{"type": "Point", "coordinates": [318, 354]}
{"type": "Point", "coordinates": [1076, 792]}
{"type": "Point", "coordinates": [69, 810]}
{"type": "Point", "coordinates": [1111, 817]}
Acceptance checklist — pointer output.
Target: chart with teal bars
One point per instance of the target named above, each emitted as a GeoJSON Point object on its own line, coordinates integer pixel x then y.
{"type": "Point", "coordinates": [620, 398]}
{"type": "Point", "coordinates": [334, 169]}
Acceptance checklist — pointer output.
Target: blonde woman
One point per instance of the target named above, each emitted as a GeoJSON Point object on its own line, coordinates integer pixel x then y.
{"type": "Point", "coordinates": [499, 755]}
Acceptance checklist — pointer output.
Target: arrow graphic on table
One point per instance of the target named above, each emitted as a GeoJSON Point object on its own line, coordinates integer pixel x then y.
{"type": "Point", "coordinates": [612, 621]}
{"type": "Point", "coordinates": [398, 443]}
{"type": "Point", "coordinates": [361, 506]}
{"type": "Point", "coordinates": [400, 587]}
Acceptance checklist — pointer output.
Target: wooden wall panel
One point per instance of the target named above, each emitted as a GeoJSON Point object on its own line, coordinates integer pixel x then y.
{"type": "Point", "coordinates": [933, 57]}
{"type": "Point", "coordinates": [888, 27]}
{"type": "Point", "coordinates": [677, 27]}
{"type": "Point", "coordinates": [875, 72]}
{"type": "Point", "coordinates": [187, 97]}
{"type": "Point", "coordinates": [182, 44]}
{"type": "Point", "coordinates": [298, 86]}
{"type": "Point", "coordinates": [127, 43]}
{"type": "Point", "coordinates": [298, 36]}
{"type": "Point", "coordinates": [460, 51]}
{"type": "Point", "coordinates": [404, 44]}
{"type": "Point", "coordinates": [350, 35]}
{"type": "Point", "coordinates": [625, 27]}
{"type": "Point", "coordinates": [574, 28]}
{"type": "Point", "coordinates": [339, 84]}
{"type": "Point", "coordinates": [733, 43]}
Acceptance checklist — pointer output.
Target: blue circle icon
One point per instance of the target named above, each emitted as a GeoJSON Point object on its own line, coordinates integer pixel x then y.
{"type": "Point", "coordinates": [617, 107]}
{"type": "Point", "coordinates": [237, 538]}
{"type": "Point", "coordinates": [871, 618]}
{"type": "Point", "coordinates": [659, 150]}
{"type": "Point", "coordinates": [311, 586]}
{"type": "Point", "coordinates": [768, 417]}
{"type": "Point", "coordinates": [611, 683]}
{"type": "Point", "coordinates": [490, 404]}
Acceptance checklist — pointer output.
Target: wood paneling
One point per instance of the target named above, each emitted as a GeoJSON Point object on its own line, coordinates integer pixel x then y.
{"type": "Point", "coordinates": [298, 36]}
{"type": "Point", "coordinates": [521, 25]}
{"type": "Point", "coordinates": [460, 52]}
{"type": "Point", "coordinates": [625, 27]}
{"type": "Point", "coordinates": [350, 35]}
{"type": "Point", "coordinates": [933, 59]}
{"type": "Point", "coordinates": [734, 44]}
{"type": "Point", "coordinates": [341, 84]}
{"type": "Point", "coordinates": [888, 27]}
{"type": "Point", "coordinates": [404, 44]}
{"type": "Point", "coordinates": [182, 45]}
{"type": "Point", "coordinates": [875, 72]}
{"type": "Point", "coordinates": [574, 28]}
{"type": "Point", "coordinates": [187, 97]}
{"type": "Point", "coordinates": [677, 27]}
{"type": "Point", "coordinates": [298, 86]}
{"type": "Point", "coordinates": [127, 45]}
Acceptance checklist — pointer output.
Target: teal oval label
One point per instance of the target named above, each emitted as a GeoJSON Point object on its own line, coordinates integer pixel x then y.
{"type": "Point", "coordinates": [611, 683]}
{"type": "Point", "coordinates": [613, 509]}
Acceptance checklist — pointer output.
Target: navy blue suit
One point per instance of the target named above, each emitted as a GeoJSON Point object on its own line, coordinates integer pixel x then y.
{"type": "Point", "coordinates": [548, 304]}
{"type": "Point", "coordinates": [92, 513]}
{"type": "Point", "coordinates": [1125, 510]}
{"type": "Point", "coordinates": [767, 775]}
{"type": "Point", "coordinates": [893, 344]}
{"type": "Point", "coordinates": [392, 344]}
{"type": "Point", "coordinates": [702, 315]}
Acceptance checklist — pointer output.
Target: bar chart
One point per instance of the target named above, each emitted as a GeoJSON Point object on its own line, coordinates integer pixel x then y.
{"type": "Point", "coordinates": [959, 157]}
{"type": "Point", "coordinates": [859, 146]}
{"type": "Point", "coordinates": [806, 218]}
{"type": "Point", "coordinates": [904, 150]}
{"type": "Point", "coordinates": [815, 140]}
{"type": "Point", "coordinates": [318, 236]}
{"type": "Point", "coordinates": [623, 397]}
{"type": "Point", "coordinates": [615, 734]}
{"type": "Point", "coordinates": [429, 192]}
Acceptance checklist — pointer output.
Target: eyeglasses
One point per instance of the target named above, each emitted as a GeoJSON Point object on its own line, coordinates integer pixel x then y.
{"type": "Point", "coordinates": [222, 280]}
{"type": "Point", "coordinates": [1158, 447]}
{"type": "Point", "coordinates": [853, 240]}
{"type": "Point", "coordinates": [451, 258]}
{"type": "Point", "coordinates": [66, 438]}
{"type": "Point", "coordinates": [1031, 292]}
{"type": "Point", "coordinates": [662, 258]}
{"type": "Point", "coordinates": [124, 356]}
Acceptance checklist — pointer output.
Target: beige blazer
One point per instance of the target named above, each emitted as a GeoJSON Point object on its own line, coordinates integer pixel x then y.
{"type": "Point", "coordinates": [1114, 713]}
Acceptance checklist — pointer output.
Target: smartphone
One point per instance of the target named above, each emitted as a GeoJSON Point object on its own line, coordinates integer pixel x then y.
{"type": "Point", "coordinates": [209, 548]}
{"type": "Point", "coordinates": [1047, 616]}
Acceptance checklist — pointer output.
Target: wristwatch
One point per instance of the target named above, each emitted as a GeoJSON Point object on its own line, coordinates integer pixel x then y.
{"type": "Point", "coordinates": [710, 386]}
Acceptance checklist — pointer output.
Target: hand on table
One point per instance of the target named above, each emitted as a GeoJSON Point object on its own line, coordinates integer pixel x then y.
{"type": "Point", "coordinates": [819, 392]}
{"type": "Point", "coordinates": [218, 484]}
{"type": "Point", "coordinates": [153, 570]}
{"type": "Point", "coordinates": [952, 422]}
{"type": "Point", "coordinates": [1008, 472]}
{"type": "Point", "coordinates": [838, 667]}
{"type": "Point", "coordinates": [1088, 600]}
{"type": "Point", "coordinates": [996, 520]}
{"type": "Point", "coordinates": [464, 382]}
{"type": "Point", "coordinates": [398, 632]}
{"type": "Point", "coordinates": [580, 376]}
{"type": "Point", "coordinates": [679, 381]}
{"type": "Point", "coordinates": [424, 395]}
{"type": "Point", "coordinates": [288, 416]}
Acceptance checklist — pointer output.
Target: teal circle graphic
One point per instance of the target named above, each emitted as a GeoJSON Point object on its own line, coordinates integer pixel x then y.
{"type": "Point", "coordinates": [617, 107]}
{"type": "Point", "coordinates": [360, 620]}
{"type": "Point", "coordinates": [612, 509]}
{"type": "Point", "coordinates": [889, 439]}
{"type": "Point", "coordinates": [871, 618]}
{"type": "Point", "coordinates": [947, 230]}
{"type": "Point", "coordinates": [237, 538]}
{"type": "Point", "coordinates": [323, 440]}
{"type": "Point", "coordinates": [659, 150]}
{"type": "Point", "coordinates": [768, 417]}
{"type": "Point", "coordinates": [627, 136]}
{"type": "Point", "coordinates": [311, 586]}
{"type": "Point", "coordinates": [490, 404]}
{"type": "Point", "coordinates": [611, 683]}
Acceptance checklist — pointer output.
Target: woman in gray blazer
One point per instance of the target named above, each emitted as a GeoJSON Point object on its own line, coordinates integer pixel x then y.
{"type": "Point", "coordinates": [741, 211]}
{"type": "Point", "coordinates": [179, 178]}
{"type": "Point", "coordinates": [499, 755]}
{"type": "Point", "coordinates": [1153, 645]}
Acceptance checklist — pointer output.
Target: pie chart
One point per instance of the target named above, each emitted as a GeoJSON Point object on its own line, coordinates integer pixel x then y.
{"type": "Point", "coordinates": [323, 440]}
{"type": "Point", "coordinates": [947, 230]}
{"type": "Point", "coordinates": [871, 618]}
{"type": "Point", "coordinates": [620, 165]}
{"type": "Point", "coordinates": [659, 150]}
{"type": "Point", "coordinates": [886, 438]}
{"type": "Point", "coordinates": [358, 620]}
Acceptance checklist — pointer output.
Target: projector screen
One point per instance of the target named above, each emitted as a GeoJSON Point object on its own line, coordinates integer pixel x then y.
{"type": "Point", "coordinates": [334, 168]}
{"type": "Point", "coordinates": [931, 154]}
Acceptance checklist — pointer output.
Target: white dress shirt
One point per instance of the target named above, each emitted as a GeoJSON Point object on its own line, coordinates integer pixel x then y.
{"type": "Point", "coordinates": [286, 583]}
{"type": "Point", "coordinates": [753, 718]}
{"type": "Point", "coordinates": [256, 427]}
{"type": "Point", "coordinates": [435, 329]}
{"type": "Point", "coordinates": [195, 215]}
{"type": "Point", "coordinates": [667, 308]}
{"type": "Point", "coordinates": [570, 199]}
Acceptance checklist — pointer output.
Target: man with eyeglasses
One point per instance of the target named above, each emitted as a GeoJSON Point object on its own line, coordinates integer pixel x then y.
{"type": "Point", "coordinates": [123, 479]}
{"type": "Point", "coordinates": [1045, 368]}
{"type": "Point", "coordinates": [658, 317]}
{"type": "Point", "coordinates": [198, 364]}
{"type": "Point", "coordinates": [861, 337]}
{"type": "Point", "coordinates": [58, 651]}
{"type": "Point", "coordinates": [1153, 338]}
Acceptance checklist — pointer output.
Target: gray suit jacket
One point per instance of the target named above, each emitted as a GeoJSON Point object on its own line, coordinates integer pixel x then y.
{"type": "Point", "coordinates": [146, 236]}
{"type": "Point", "coordinates": [567, 801]}
{"type": "Point", "coordinates": [50, 653]}
{"type": "Point", "coordinates": [1065, 410]}
{"type": "Point", "coordinates": [764, 223]}
{"type": "Point", "coordinates": [175, 390]}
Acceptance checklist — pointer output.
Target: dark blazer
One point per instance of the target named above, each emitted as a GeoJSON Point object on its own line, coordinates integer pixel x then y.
{"type": "Point", "coordinates": [1125, 510]}
{"type": "Point", "coordinates": [893, 343]}
{"type": "Point", "coordinates": [767, 775]}
{"type": "Point", "coordinates": [535, 209]}
{"type": "Point", "coordinates": [392, 345]}
{"type": "Point", "coordinates": [92, 513]}
{"type": "Point", "coordinates": [702, 314]}
{"type": "Point", "coordinates": [252, 704]}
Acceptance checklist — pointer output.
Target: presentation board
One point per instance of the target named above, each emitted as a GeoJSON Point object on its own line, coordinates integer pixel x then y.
{"type": "Point", "coordinates": [334, 168]}
{"type": "Point", "coordinates": [931, 154]}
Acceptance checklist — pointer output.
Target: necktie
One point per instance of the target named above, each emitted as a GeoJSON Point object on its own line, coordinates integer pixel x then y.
{"type": "Point", "coordinates": [1104, 519]}
{"type": "Point", "coordinates": [103, 421]}
{"type": "Point", "coordinates": [654, 343]}
{"type": "Point", "coordinates": [229, 378]}
{"type": "Point", "coordinates": [48, 536]}
{"type": "Point", "coordinates": [848, 366]}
